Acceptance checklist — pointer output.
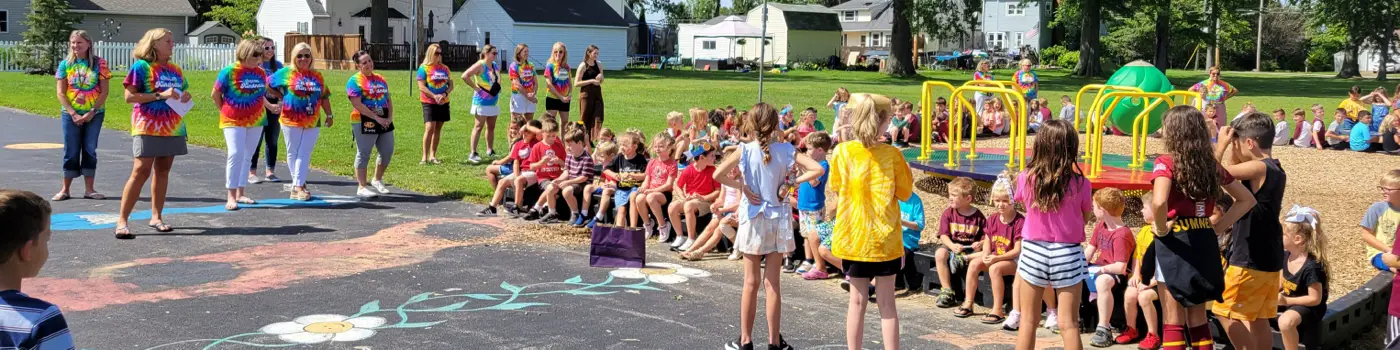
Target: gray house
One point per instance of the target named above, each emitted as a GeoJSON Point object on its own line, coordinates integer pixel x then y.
{"type": "Point", "coordinates": [1010, 24]}
{"type": "Point", "coordinates": [107, 20]}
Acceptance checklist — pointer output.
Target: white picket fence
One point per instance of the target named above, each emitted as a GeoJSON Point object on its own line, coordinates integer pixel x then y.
{"type": "Point", "coordinates": [118, 56]}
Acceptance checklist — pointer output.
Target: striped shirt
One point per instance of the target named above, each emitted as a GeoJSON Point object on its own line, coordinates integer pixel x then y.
{"type": "Point", "coordinates": [29, 323]}
{"type": "Point", "coordinates": [580, 166]}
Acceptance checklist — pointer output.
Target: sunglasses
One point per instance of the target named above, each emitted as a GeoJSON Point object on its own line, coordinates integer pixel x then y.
{"type": "Point", "coordinates": [303, 56]}
{"type": "Point", "coordinates": [256, 54]}
{"type": "Point", "coordinates": [437, 54]}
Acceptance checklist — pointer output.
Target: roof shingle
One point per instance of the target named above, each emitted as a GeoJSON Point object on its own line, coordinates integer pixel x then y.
{"type": "Point", "coordinates": [576, 12]}
{"type": "Point", "coordinates": [146, 7]}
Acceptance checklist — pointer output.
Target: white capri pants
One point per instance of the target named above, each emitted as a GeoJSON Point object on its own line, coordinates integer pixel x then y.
{"type": "Point", "coordinates": [300, 143]}
{"type": "Point", "coordinates": [384, 143]}
{"type": "Point", "coordinates": [241, 141]}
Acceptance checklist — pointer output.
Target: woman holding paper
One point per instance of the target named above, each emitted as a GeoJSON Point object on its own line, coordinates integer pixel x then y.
{"type": "Point", "coordinates": [239, 92]}
{"type": "Point", "coordinates": [303, 95]}
{"type": "Point", "coordinates": [372, 122]}
{"type": "Point", "coordinates": [156, 87]}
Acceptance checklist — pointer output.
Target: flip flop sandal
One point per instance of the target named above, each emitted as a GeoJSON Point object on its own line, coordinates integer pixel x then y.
{"type": "Point", "coordinates": [162, 227]}
{"type": "Point", "coordinates": [227, 207]}
{"type": "Point", "coordinates": [962, 312]}
{"type": "Point", "coordinates": [993, 319]}
{"type": "Point", "coordinates": [95, 196]}
{"type": "Point", "coordinates": [124, 233]}
{"type": "Point", "coordinates": [434, 161]}
{"type": "Point", "coordinates": [246, 200]}
{"type": "Point", "coordinates": [59, 197]}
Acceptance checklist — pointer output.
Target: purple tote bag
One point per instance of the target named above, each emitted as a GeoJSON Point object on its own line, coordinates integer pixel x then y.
{"type": "Point", "coordinates": [615, 247]}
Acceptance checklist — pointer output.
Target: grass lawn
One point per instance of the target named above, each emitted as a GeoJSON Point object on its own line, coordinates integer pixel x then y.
{"type": "Point", "coordinates": [637, 98]}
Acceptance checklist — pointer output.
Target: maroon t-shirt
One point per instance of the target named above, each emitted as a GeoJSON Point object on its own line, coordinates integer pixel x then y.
{"type": "Point", "coordinates": [1004, 235]}
{"type": "Point", "coordinates": [697, 182]}
{"type": "Point", "coordinates": [962, 229]}
{"type": "Point", "coordinates": [1178, 205]}
{"type": "Point", "coordinates": [1111, 246]}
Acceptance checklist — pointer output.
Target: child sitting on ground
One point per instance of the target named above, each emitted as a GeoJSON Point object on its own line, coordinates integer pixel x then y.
{"type": "Point", "coordinates": [901, 125]}
{"type": "Point", "coordinates": [811, 207]}
{"type": "Point", "coordinates": [718, 134]}
{"type": "Point", "coordinates": [607, 135]}
{"type": "Point", "coordinates": [1381, 220]}
{"type": "Point", "coordinates": [696, 190]}
{"type": "Point", "coordinates": [1246, 110]}
{"type": "Point", "coordinates": [602, 184]}
{"type": "Point", "coordinates": [655, 191]}
{"type": "Point", "coordinates": [939, 124]}
{"type": "Point", "coordinates": [1303, 294]}
{"type": "Point", "coordinates": [807, 124]}
{"type": "Point", "coordinates": [502, 167]}
{"type": "Point", "coordinates": [994, 121]}
{"type": "Point", "coordinates": [547, 162]}
{"type": "Point", "coordinates": [1339, 131]}
{"type": "Point", "coordinates": [959, 236]}
{"type": "Point", "coordinates": [1362, 139]}
{"type": "Point", "coordinates": [578, 171]}
{"type": "Point", "coordinates": [1045, 113]}
{"type": "Point", "coordinates": [723, 223]}
{"type": "Point", "coordinates": [1067, 109]}
{"type": "Point", "coordinates": [1109, 249]}
{"type": "Point", "coordinates": [1281, 135]}
{"type": "Point", "coordinates": [629, 168]}
{"type": "Point", "coordinates": [29, 323]}
{"type": "Point", "coordinates": [520, 164]}
{"type": "Point", "coordinates": [1141, 291]}
{"type": "Point", "coordinates": [1003, 242]}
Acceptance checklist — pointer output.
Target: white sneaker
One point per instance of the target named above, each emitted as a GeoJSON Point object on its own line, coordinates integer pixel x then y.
{"type": "Point", "coordinates": [734, 255]}
{"type": "Point", "coordinates": [366, 192]}
{"type": "Point", "coordinates": [678, 242]}
{"type": "Point", "coordinates": [379, 187]}
{"type": "Point", "coordinates": [665, 228]}
{"type": "Point", "coordinates": [1052, 321]}
{"type": "Point", "coordinates": [1013, 321]}
{"type": "Point", "coordinates": [253, 179]}
{"type": "Point", "coordinates": [474, 158]}
{"type": "Point", "coordinates": [687, 245]}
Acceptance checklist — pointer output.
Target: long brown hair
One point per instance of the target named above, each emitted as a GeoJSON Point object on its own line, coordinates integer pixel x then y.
{"type": "Point", "coordinates": [1186, 137]}
{"type": "Point", "coordinates": [520, 49]}
{"type": "Point", "coordinates": [91, 54]}
{"type": "Point", "coordinates": [486, 50]}
{"type": "Point", "coordinates": [1055, 167]}
{"type": "Point", "coordinates": [762, 123]}
{"type": "Point", "coordinates": [592, 51]}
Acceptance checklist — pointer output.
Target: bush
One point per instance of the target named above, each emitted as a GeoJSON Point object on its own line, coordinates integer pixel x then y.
{"type": "Point", "coordinates": [812, 65]}
{"type": "Point", "coordinates": [1068, 59]}
{"type": "Point", "coordinates": [1051, 55]}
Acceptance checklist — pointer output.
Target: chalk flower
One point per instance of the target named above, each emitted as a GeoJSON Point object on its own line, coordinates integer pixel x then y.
{"type": "Point", "coordinates": [664, 273]}
{"type": "Point", "coordinates": [315, 329]}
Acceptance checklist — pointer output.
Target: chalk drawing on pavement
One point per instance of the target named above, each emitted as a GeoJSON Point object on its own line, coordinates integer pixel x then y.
{"type": "Point", "coordinates": [95, 220]}
{"type": "Point", "coordinates": [33, 146]}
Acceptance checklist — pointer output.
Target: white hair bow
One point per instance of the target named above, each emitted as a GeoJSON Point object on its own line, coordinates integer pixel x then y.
{"type": "Point", "coordinates": [1301, 214]}
{"type": "Point", "coordinates": [1004, 181]}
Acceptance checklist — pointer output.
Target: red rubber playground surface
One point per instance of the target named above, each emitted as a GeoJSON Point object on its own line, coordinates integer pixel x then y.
{"type": "Point", "coordinates": [991, 161]}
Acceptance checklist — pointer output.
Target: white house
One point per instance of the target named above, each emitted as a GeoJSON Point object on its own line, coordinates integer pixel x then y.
{"type": "Point", "coordinates": [715, 39]}
{"type": "Point", "coordinates": [795, 33]}
{"type": "Point", "coordinates": [541, 23]}
{"type": "Point", "coordinates": [276, 18]}
{"type": "Point", "coordinates": [212, 32]}
{"type": "Point", "coordinates": [106, 20]}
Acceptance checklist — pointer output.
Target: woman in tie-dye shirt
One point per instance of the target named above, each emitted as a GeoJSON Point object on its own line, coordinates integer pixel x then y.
{"type": "Point", "coordinates": [304, 96]}
{"type": "Point", "coordinates": [560, 87]}
{"type": "Point", "coordinates": [1027, 81]}
{"type": "Point", "coordinates": [435, 92]}
{"type": "Point", "coordinates": [522, 84]}
{"type": "Point", "coordinates": [239, 93]}
{"type": "Point", "coordinates": [372, 123]}
{"type": "Point", "coordinates": [485, 79]}
{"type": "Point", "coordinates": [158, 130]}
{"type": "Point", "coordinates": [1214, 90]}
{"type": "Point", "coordinates": [82, 92]}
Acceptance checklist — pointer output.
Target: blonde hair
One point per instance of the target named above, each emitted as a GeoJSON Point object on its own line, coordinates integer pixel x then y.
{"type": "Point", "coordinates": [1026, 62]}
{"type": "Point", "coordinates": [1111, 200]}
{"type": "Point", "coordinates": [91, 51]}
{"type": "Point", "coordinates": [1314, 241]}
{"type": "Point", "coordinates": [296, 50]}
{"type": "Point", "coordinates": [431, 56]}
{"type": "Point", "coordinates": [961, 186]}
{"type": "Point", "coordinates": [1389, 122]}
{"type": "Point", "coordinates": [1391, 178]}
{"type": "Point", "coordinates": [675, 116]}
{"type": "Point", "coordinates": [606, 149]}
{"type": "Point", "coordinates": [246, 49]}
{"type": "Point", "coordinates": [520, 49]}
{"type": "Point", "coordinates": [607, 133]}
{"type": "Point", "coordinates": [485, 50]}
{"type": "Point", "coordinates": [868, 113]}
{"type": "Point", "coordinates": [698, 113]}
{"type": "Point", "coordinates": [559, 54]}
{"type": "Point", "coordinates": [664, 137]}
{"type": "Point", "coordinates": [146, 48]}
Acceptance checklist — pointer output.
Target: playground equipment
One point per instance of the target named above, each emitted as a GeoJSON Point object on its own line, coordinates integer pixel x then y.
{"type": "Point", "coordinates": [1015, 104]}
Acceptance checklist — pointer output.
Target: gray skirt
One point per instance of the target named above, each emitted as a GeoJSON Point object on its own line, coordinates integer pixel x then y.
{"type": "Point", "coordinates": [146, 146]}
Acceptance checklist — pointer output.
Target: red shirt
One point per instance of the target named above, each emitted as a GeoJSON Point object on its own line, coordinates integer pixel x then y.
{"type": "Point", "coordinates": [521, 151]}
{"type": "Point", "coordinates": [542, 150]}
{"type": "Point", "coordinates": [1111, 246]}
{"type": "Point", "coordinates": [697, 182]}
{"type": "Point", "coordinates": [1178, 205]}
{"type": "Point", "coordinates": [660, 171]}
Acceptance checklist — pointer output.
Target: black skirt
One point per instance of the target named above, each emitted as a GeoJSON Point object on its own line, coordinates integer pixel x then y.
{"type": "Point", "coordinates": [437, 113]}
{"type": "Point", "coordinates": [862, 269]}
{"type": "Point", "coordinates": [1189, 261]}
{"type": "Point", "coordinates": [552, 104]}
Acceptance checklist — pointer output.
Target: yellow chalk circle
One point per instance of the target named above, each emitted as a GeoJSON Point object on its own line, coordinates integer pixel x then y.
{"type": "Point", "coordinates": [34, 146]}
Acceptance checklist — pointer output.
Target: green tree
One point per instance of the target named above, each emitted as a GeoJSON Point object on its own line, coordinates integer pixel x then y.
{"type": "Point", "coordinates": [1360, 23]}
{"type": "Point", "coordinates": [239, 15]}
{"type": "Point", "coordinates": [45, 42]}
{"type": "Point", "coordinates": [943, 20]}
{"type": "Point", "coordinates": [901, 61]}
{"type": "Point", "coordinates": [742, 7]}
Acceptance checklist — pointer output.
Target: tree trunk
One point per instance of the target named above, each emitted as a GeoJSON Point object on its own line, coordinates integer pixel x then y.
{"type": "Point", "coordinates": [1350, 68]}
{"type": "Point", "coordinates": [1386, 38]}
{"type": "Point", "coordinates": [643, 33]}
{"type": "Point", "coordinates": [1089, 44]}
{"type": "Point", "coordinates": [1164, 31]}
{"type": "Point", "coordinates": [901, 61]}
{"type": "Point", "coordinates": [1211, 28]}
{"type": "Point", "coordinates": [379, 22]}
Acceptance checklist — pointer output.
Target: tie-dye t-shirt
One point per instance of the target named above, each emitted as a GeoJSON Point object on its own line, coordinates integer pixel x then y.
{"type": "Point", "coordinates": [302, 92]}
{"type": "Point", "coordinates": [980, 75]}
{"type": "Point", "coordinates": [84, 78]}
{"type": "Point", "coordinates": [1027, 80]}
{"type": "Point", "coordinates": [1211, 92]}
{"type": "Point", "coordinates": [372, 90]}
{"type": "Point", "coordinates": [525, 74]}
{"type": "Point", "coordinates": [242, 90]}
{"type": "Point", "coordinates": [557, 75]}
{"type": "Point", "coordinates": [155, 118]}
{"type": "Point", "coordinates": [437, 77]}
{"type": "Point", "coordinates": [484, 80]}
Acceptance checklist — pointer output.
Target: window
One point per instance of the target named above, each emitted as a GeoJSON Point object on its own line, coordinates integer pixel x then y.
{"type": "Point", "coordinates": [863, 42]}
{"type": "Point", "coordinates": [848, 16]}
{"type": "Point", "coordinates": [875, 39]}
{"type": "Point", "coordinates": [488, 38]}
{"type": "Point", "coordinates": [4, 21]}
{"type": "Point", "coordinates": [1015, 9]}
{"type": "Point", "coordinates": [708, 44]}
{"type": "Point", "coordinates": [218, 39]}
{"type": "Point", "coordinates": [1018, 38]}
{"type": "Point", "coordinates": [996, 40]}
{"type": "Point", "coordinates": [362, 34]}
{"type": "Point", "coordinates": [303, 27]}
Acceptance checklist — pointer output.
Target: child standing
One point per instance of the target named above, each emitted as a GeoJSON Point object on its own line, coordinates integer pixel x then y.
{"type": "Point", "coordinates": [30, 323]}
{"type": "Point", "coordinates": [959, 236]}
{"type": "Point", "coordinates": [696, 190]}
{"type": "Point", "coordinates": [1110, 248]}
{"type": "Point", "coordinates": [519, 159]}
{"type": "Point", "coordinates": [602, 185]}
{"type": "Point", "coordinates": [1057, 198]}
{"type": "Point", "coordinates": [655, 191]}
{"type": "Point", "coordinates": [811, 207]}
{"type": "Point", "coordinates": [1379, 225]}
{"type": "Point", "coordinates": [1141, 292]}
{"type": "Point", "coordinates": [579, 170]}
{"type": "Point", "coordinates": [1003, 242]}
{"type": "Point", "coordinates": [1303, 296]}
{"type": "Point", "coordinates": [765, 231]}
{"type": "Point", "coordinates": [869, 177]}
{"type": "Point", "coordinates": [1255, 252]}
{"type": "Point", "coordinates": [911, 222]}
{"type": "Point", "coordinates": [1186, 183]}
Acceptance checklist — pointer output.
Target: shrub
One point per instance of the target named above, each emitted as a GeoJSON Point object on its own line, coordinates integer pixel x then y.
{"type": "Point", "coordinates": [1068, 59]}
{"type": "Point", "coordinates": [1051, 55]}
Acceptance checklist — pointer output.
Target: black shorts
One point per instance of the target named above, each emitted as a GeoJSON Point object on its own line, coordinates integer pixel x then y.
{"type": "Point", "coordinates": [552, 104]}
{"type": "Point", "coordinates": [862, 269]}
{"type": "Point", "coordinates": [437, 113]}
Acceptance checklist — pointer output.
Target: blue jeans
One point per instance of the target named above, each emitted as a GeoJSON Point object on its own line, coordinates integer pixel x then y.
{"type": "Point", "coordinates": [80, 145]}
{"type": "Point", "coordinates": [270, 133]}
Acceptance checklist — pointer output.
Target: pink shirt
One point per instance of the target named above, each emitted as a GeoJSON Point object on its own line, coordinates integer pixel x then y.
{"type": "Point", "coordinates": [1065, 225]}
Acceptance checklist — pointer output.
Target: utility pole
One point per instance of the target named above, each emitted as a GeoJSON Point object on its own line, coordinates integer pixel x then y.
{"type": "Point", "coordinates": [1210, 28]}
{"type": "Point", "coordinates": [762, 50]}
{"type": "Point", "coordinates": [1259, 38]}
{"type": "Point", "coordinates": [417, 32]}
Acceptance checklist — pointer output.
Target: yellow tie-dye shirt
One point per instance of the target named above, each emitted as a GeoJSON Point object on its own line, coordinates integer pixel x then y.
{"type": "Point", "coordinates": [870, 183]}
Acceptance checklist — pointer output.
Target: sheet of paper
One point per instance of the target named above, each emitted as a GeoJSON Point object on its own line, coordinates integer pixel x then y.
{"type": "Point", "coordinates": [180, 108]}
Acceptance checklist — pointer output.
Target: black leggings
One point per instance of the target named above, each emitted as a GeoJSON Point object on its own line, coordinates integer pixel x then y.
{"type": "Point", "coordinates": [270, 133]}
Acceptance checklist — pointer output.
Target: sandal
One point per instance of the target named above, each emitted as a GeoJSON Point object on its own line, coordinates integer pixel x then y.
{"type": "Point", "coordinates": [124, 233]}
{"type": "Point", "coordinates": [94, 196]}
{"type": "Point", "coordinates": [435, 161]}
{"type": "Point", "coordinates": [991, 318]}
{"type": "Point", "coordinates": [246, 200]}
{"type": "Point", "coordinates": [231, 206]}
{"type": "Point", "coordinates": [162, 227]}
{"type": "Point", "coordinates": [59, 197]}
{"type": "Point", "coordinates": [962, 312]}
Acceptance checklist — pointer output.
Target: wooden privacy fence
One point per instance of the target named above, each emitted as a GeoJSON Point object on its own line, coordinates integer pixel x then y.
{"type": "Point", "coordinates": [335, 51]}
{"type": "Point", "coordinates": [118, 55]}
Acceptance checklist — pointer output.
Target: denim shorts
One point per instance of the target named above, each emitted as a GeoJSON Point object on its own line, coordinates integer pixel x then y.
{"type": "Point", "coordinates": [505, 169]}
{"type": "Point", "coordinates": [621, 196]}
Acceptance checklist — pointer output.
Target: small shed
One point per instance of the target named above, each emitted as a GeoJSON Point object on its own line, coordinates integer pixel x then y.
{"type": "Point", "coordinates": [212, 32]}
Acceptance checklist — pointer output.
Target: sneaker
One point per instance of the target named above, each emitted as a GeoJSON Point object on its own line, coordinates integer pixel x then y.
{"type": "Point", "coordinates": [789, 266]}
{"type": "Point", "coordinates": [591, 222]}
{"type": "Point", "coordinates": [665, 226]}
{"type": "Point", "coordinates": [515, 213]}
{"type": "Point", "coordinates": [781, 345]}
{"type": "Point", "coordinates": [734, 255]}
{"type": "Point", "coordinates": [1103, 337]}
{"type": "Point", "coordinates": [576, 220]}
{"type": "Point", "coordinates": [846, 284]}
{"type": "Point", "coordinates": [1013, 321]}
{"type": "Point", "coordinates": [1150, 342]}
{"type": "Point", "coordinates": [272, 179]}
{"type": "Point", "coordinates": [661, 237]}
{"type": "Point", "coordinates": [945, 298]}
{"type": "Point", "coordinates": [253, 179]}
{"type": "Point", "coordinates": [676, 243]}
{"type": "Point", "coordinates": [1052, 322]}
{"type": "Point", "coordinates": [1128, 336]}
{"type": "Point", "coordinates": [379, 186]}
{"type": "Point", "coordinates": [804, 267]}
{"type": "Point", "coordinates": [489, 211]}
{"type": "Point", "coordinates": [734, 345]}
{"type": "Point", "coordinates": [474, 158]}
{"type": "Point", "coordinates": [366, 192]}
{"type": "Point", "coordinates": [688, 244]}
{"type": "Point", "coordinates": [533, 215]}
{"type": "Point", "coordinates": [491, 154]}
{"type": "Point", "coordinates": [550, 220]}
{"type": "Point", "coordinates": [815, 275]}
